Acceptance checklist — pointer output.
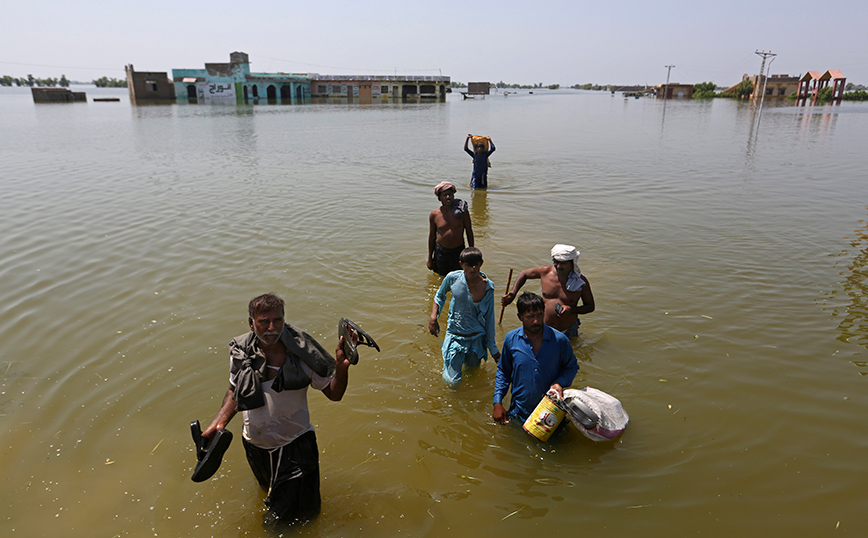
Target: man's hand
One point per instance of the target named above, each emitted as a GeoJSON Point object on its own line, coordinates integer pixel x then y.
{"type": "Point", "coordinates": [559, 389]}
{"type": "Point", "coordinates": [434, 326]}
{"type": "Point", "coordinates": [341, 357]}
{"type": "Point", "coordinates": [496, 357]}
{"type": "Point", "coordinates": [210, 432]}
{"type": "Point", "coordinates": [499, 414]}
{"type": "Point", "coordinates": [430, 265]}
{"type": "Point", "coordinates": [506, 299]}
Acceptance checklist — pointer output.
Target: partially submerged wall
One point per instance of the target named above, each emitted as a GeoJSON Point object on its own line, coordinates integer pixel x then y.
{"type": "Point", "coordinates": [149, 85]}
{"type": "Point", "coordinates": [57, 95]}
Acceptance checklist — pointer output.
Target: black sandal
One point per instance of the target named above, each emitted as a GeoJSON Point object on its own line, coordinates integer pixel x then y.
{"type": "Point", "coordinates": [209, 457]}
{"type": "Point", "coordinates": [350, 350]}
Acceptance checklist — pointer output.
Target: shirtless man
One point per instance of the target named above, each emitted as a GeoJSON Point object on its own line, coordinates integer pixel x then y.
{"type": "Point", "coordinates": [448, 224]}
{"type": "Point", "coordinates": [563, 286]}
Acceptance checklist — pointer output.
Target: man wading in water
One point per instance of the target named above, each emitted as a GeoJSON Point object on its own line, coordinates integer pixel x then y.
{"type": "Point", "coordinates": [272, 367]}
{"type": "Point", "coordinates": [448, 224]}
{"type": "Point", "coordinates": [563, 285]}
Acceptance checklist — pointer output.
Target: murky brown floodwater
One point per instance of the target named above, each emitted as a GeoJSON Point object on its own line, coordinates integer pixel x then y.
{"type": "Point", "coordinates": [728, 263]}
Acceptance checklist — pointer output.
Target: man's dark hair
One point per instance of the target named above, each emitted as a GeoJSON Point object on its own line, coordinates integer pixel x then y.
{"type": "Point", "coordinates": [470, 256]}
{"type": "Point", "coordinates": [264, 303]}
{"type": "Point", "coordinates": [529, 302]}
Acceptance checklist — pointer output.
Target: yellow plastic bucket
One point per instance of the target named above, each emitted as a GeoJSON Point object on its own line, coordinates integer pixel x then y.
{"type": "Point", "coordinates": [544, 419]}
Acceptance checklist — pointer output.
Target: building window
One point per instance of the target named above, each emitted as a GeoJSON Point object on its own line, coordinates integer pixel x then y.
{"type": "Point", "coordinates": [782, 91]}
{"type": "Point", "coordinates": [769, 91]}
{"type": "Point", "coordinates": [384, 89]}
{"type": "Point", "coordinates": [427, 88]}
{"type": "Point", "coordinates": [320, 89]}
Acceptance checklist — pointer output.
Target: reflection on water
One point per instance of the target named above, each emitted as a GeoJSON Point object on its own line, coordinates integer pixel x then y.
{"type": "Point", "coordinates": [853, 323]}
{"type": "Point", "coordinates": [133, 238]}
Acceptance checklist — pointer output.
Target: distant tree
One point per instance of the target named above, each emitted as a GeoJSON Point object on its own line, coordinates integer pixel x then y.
{"type": "Point", "coordinates": [553, 86]}
{"type": "Point", "coordinates": [6, 80]}
{"type": "Point", "coordinates": [744, 89]}
{"type": "Point", "coordinates": [106, 82]}
{"type": "Point", "coordinates": [856, 95]}
{"type": "Point", "coordinates": [825, 95]}
{"type": "Point", "coordinates": [64, 82]}
{"type": "Point", "coordinates": [30, 80]}
{"type": "Point", "coordinates": [704, 90]}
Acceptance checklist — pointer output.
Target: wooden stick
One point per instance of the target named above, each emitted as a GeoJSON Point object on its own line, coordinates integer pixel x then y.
{"type": "Point", "coordinates": [502, 308]}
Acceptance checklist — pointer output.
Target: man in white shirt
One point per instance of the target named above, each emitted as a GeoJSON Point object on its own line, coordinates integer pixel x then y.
{"type": "Point", "coordinates": [271, 369]}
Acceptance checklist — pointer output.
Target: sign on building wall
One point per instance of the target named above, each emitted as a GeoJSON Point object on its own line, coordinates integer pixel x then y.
{"type": "Point", "coordinates": [216, 90]}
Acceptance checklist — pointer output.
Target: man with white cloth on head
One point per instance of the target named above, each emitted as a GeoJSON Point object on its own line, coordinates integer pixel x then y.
{"type": "Point", "coordinates": [563, 287]}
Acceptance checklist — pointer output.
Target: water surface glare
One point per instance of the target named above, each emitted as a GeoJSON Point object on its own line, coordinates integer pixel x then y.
{"type": "Point", "coordinates": [727, 258]}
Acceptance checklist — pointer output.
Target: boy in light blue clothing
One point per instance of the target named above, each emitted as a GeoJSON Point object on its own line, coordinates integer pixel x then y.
{"type": "Point", "coordinates": [470, 327]}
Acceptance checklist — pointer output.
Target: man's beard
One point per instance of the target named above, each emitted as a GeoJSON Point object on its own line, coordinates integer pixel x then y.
{"type": "Point", "coordinates": [269, 338]}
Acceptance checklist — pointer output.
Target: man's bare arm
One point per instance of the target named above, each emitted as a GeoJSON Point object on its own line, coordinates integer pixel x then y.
{"type": "Point", "coordinates": [335, 390]}
{"type": "Point", "coordinates": [432, 240]}
{"type": "Point", "coordinates": [533, 272]}
{"type": "Point", "coordinates": [227, 411]}
{"type": "Point", "coordinates": [587, 299]}
{"type": "Point", "coordinates": [468, 228]}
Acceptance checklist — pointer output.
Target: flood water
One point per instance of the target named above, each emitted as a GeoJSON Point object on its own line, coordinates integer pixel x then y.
{"type": "Point", "coordinates": [728, 262]}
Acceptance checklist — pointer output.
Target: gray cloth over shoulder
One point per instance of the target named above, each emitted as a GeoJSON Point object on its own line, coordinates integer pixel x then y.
{"type": "Point", "coordinates": [248, 365]}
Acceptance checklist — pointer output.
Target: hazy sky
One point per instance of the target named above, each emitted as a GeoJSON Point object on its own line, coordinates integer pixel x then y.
{"type": "Point", "coordinates": [558, 41]}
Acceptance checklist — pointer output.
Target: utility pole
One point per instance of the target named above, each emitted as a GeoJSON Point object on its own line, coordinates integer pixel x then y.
{"type": "Point", "coordinates": [763, 97]}
{"type": "Point", "coordinates": [666, 89]}
{"type": "Point", "coordinates": [764, 55]}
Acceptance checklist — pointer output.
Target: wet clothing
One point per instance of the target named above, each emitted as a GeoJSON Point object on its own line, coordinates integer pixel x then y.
{"type": "Point", "coordinates": [248, 365]}
{"type": "Point", "coordinates": [283, 417]}
{"type": "Point", "coordinates": [473, 319]}
{"type": "Point", "coordinates": [460, 351]}
{"type": "Point", "coordinates": [531, 374]}
{"type": "Point", "coordinates": [446, 259]}
{"type": "Point", "coordinates": [290, 474]}
{"type": "Point", "coordinates": [278, 437]}
{"type": "Point", "coordinates": [573, 330]}
{"type": "Point", "coordinates": [479, 179]}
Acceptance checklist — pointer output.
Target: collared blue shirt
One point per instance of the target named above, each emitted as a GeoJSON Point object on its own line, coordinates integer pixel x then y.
{"type": "Point", "coordinates": [465, 315]}
{"type": "Point", "coordinates": [532, 374]}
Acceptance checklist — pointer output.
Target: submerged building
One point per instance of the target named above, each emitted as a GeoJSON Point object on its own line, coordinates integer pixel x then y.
{"type": "Point", "coordinates": [674, 90]}
{"type": "Point", "coordinates": [234, 81]}
{"type": "Point", "coordinates": [367, 88]}
{"type": "Point", "coordinates": [149, 85]}
{"type": "Point", "coordinates": [812, 82]}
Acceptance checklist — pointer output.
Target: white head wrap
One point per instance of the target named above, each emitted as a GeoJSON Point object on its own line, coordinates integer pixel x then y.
{"type": "Point", "coordinates": [568, 253]}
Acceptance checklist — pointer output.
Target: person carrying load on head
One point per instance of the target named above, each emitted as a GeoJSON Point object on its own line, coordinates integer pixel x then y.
{"type": "Point", "coordinates": [480, 154]}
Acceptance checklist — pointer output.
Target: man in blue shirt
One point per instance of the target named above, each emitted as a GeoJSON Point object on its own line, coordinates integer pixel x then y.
{"type": "Point", "coordinates": [534, 359]}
